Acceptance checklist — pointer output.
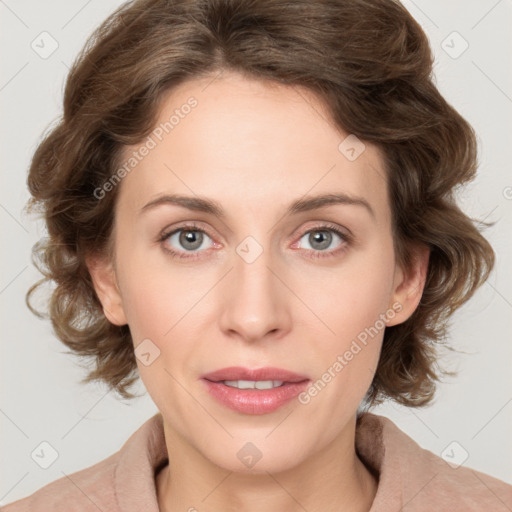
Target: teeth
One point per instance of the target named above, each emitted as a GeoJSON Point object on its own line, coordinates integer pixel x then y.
{"type": "Point", "coordinates": [253, 384]}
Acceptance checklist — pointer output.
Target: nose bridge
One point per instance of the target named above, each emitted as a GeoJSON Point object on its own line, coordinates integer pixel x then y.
{"type": "Point", "coordinates": [253, 304]}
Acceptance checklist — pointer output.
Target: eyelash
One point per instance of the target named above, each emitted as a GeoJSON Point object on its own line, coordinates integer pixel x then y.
{"type": "Point", "coordinates": [315, 254]}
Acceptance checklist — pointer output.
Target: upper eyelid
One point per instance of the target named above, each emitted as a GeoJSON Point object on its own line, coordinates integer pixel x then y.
{"type": "Point", "coordinates": [167, 232]}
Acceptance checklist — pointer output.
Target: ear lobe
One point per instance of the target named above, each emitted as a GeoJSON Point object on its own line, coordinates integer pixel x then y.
{"type": "Point", "coordinates": [409, 284]}
{"type": "Point", "coordinates": [105, 284]}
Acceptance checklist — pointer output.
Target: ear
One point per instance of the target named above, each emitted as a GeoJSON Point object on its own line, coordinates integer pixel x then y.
{"type": "Point", "coordinates": [408, 284]}
{"type": "Point", "coordinates": [105, 284]}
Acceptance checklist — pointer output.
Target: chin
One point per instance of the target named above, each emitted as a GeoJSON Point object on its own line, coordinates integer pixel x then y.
{"type": "Point", "coordinates": [241, 455]}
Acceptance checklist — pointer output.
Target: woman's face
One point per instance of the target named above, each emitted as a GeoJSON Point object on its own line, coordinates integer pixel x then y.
{"type": "Point", "coordinates": [263, 284]}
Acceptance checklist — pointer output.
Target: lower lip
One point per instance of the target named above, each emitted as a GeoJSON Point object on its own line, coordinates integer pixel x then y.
{"type": "Point", "coordinates": [255, 401]}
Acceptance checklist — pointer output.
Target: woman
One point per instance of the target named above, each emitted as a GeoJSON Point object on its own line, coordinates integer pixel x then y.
{"type": "Point", "coordinates": [250, 205]}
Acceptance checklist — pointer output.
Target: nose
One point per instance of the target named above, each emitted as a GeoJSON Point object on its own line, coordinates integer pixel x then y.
{"type": "Point", "coordinates": [255, 302]}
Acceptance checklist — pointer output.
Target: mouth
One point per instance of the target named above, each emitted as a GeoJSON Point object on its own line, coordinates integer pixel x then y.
{"type": "Point", "coordinates": [254, 391]}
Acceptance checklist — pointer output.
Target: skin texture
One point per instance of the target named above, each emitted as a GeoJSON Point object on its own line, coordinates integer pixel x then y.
{"type": "Point", "coordinates": [255, 147]}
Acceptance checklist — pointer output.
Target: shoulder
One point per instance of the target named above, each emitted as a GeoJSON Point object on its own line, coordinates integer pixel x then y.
{"type": "Point", "coordinates": [90, 489]}
{"type": "Point", "coordinates": [122, 481]}
{"type": "Point", "coordinates": [417, 479]}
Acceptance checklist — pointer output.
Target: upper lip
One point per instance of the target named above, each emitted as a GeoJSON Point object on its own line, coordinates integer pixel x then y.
{"type": "Point", "coordinates": [241, 373]}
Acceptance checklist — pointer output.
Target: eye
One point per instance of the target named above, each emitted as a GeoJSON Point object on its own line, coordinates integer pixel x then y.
{"type": "Point", "coordinates": [322, 237]}
{"type": "Point", "coordinates": [185, 239]}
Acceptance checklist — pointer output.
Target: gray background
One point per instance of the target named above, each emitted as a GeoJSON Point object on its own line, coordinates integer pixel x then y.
{"type": "Point", "coordinates": [40, 397]}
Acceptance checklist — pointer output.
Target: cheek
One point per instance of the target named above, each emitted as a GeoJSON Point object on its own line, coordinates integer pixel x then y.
{"type": "Point", "coordinates": [351, 303]}
{"type": "Point", "coordinates": [161, 303]}
{"type": "Point", "coordinates": [350, 298]}
{"type": "Point", "coordinates": [147, 308]}
{"type": "Point", "coordinates": [148, 300]}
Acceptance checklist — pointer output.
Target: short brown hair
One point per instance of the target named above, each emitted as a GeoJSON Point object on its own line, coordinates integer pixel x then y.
{"type": "Point", "coordinates": [368, 61]}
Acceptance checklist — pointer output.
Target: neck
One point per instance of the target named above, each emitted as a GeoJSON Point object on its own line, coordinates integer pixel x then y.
{"type": "Point", "coordinates": [333, 479]}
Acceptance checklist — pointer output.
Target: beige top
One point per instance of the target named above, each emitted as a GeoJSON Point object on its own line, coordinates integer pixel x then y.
{"type": "Point", "coordinates": [410, 477]}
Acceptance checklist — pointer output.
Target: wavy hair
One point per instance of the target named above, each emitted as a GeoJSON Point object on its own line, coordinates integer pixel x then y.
{"type": "Point", "coordinates": [371, 65]}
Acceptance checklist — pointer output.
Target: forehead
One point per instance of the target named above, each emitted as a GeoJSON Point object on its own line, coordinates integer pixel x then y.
{"type": "Point", "coordinates": [251, 143]}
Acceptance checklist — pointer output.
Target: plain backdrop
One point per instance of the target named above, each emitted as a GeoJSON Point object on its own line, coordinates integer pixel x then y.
{"type": "Point", "coordinates": [40, 398]}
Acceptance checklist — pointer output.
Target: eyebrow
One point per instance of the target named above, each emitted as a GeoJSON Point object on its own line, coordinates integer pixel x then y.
{"type": "Point", "coordinates": [209, 206]}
